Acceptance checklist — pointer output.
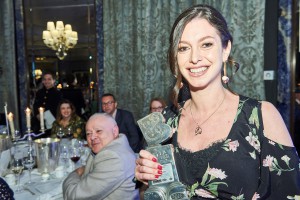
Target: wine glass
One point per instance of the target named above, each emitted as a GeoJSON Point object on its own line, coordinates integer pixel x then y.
{"type": "Point", "coordinates": [29, 162]}
{"type": "Point", "coordinates": [16, 136]}
{"type": "Point", "coordinates": [17, 169]}
{"type": "Point", "coordinates": [70, 132]}
{"type": "Point", "coordinates": [64, 154]}
{"type": "Point", "coordinates": [60, 133]}
{"type": "Point", "coordinates": [74, 155]}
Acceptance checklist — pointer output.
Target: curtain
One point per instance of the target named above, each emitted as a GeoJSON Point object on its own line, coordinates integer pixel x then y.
{"type": "Point", "coordinates": [8, 71]}
{"type": "Point", "coordinates": [136, 40]}
{"type": "Point", "coordinates": [284, 59]}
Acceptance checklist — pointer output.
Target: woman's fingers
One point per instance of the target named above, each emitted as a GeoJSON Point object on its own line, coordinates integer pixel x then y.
{"type": "Point", "coordinates": [147, 167]}
{"type": "Point", "coordinates": [147, 155]}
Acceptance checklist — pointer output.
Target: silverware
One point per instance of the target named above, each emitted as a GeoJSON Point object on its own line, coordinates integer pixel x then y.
{"type": "Point", "coordinates": [25, 188]}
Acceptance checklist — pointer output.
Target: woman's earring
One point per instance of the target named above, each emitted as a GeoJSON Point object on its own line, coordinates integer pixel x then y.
{"type": "Point", "coordinates": [225, 78]}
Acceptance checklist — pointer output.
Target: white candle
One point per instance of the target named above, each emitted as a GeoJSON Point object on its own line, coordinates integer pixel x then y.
{"type": "Point", "coordinates": [28, 124]}
{"type": "Point", "coordinates": [41, 110]}
{"type": "Point", "coordinates": [10, 117]}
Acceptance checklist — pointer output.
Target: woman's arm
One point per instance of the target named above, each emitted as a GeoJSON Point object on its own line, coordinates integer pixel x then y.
{"type": "Point", "coordinates": [274, 126]}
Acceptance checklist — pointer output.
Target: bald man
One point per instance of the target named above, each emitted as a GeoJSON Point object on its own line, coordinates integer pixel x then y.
{"type": "Point", "coordinates": [110, 167]}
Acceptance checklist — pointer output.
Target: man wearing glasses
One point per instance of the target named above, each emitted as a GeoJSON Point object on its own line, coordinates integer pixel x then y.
{"type": "Point", "coordinates": [124, 119]}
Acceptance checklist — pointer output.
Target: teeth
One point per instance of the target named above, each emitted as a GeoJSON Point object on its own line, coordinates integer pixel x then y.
{"type": "Point", "coordinates": [197, 70]}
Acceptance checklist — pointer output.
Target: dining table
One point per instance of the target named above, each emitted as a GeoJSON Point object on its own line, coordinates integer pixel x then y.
{"type": "Point", "coordinates": [43, 186]}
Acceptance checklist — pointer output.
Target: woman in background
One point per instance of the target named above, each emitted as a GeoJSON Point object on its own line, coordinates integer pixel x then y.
{"type": "Point", "coordinates": [157, 104]}
{"type": "Point", "coordinates": [68, 122]}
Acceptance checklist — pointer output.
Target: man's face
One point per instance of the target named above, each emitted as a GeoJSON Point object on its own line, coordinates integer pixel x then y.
{"type": "Point", "coordinates": [48, 81]}
{"type": "Point", "coordinates": [109, 105]}
{"type": "Point", "coordinates": [100, 131]}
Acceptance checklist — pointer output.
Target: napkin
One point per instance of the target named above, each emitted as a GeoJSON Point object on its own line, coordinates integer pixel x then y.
{"type": "Point", "coordinates": [4, 161]}
{"type": "Point", "coordinates": [49, 118]}
{"type": "Point", "coordinates": [48, 190]}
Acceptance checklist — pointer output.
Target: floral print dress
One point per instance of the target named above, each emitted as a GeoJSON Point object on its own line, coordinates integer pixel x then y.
{"type": "Point", "coordinates": [245, 165]}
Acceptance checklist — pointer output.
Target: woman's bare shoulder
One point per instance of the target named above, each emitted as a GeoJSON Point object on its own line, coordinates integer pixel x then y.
{"type": "Point", "coordinates": [274, 126]}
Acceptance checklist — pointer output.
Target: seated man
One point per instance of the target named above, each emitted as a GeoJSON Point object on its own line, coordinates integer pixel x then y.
{"type": "Point", "coordinates": [124, 119]}
{"type": "Point", "coordinates": [109, 171]}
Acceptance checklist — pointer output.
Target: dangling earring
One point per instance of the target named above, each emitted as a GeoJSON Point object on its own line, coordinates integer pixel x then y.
{"type": "Point", "coordinates": [225, 78]}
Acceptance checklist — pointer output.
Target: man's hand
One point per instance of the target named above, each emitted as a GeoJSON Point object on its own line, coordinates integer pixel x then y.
{"type": "Point", "coordinates": [80, 170]}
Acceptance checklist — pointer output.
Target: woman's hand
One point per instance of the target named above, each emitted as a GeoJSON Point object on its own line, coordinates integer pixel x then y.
{"type": "Point", "coordinates": [147, 168]}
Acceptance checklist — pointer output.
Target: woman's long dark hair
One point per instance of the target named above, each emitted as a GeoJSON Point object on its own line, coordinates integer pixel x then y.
{"type": "Point", "coordinates": [181, 91]}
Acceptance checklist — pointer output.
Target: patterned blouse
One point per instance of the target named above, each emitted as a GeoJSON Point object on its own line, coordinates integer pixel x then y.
{"type": "Point", "coordinates": [75, 129]}
{"type": "Point", "coordinates": [245, 165]}
{"type": "Point", "coordinates": [6, 192]}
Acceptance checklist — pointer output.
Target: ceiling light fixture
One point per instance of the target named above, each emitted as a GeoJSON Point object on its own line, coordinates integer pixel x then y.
{"type": "Point", "coordinates": [60, 38]}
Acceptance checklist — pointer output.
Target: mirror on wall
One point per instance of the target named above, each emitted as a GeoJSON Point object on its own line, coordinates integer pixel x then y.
{"type": "Point", "coordinates": [67, 47]}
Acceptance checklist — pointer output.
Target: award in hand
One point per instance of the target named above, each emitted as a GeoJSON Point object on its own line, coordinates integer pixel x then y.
{"type": "Point", "coordinates": [167, 186]}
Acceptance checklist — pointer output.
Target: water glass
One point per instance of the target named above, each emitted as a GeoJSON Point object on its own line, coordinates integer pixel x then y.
{"type": "Point", "coordinates": [29, 162]}
{"type": "Point", "coordinates": [17, 169]}
{"type": "Point", "coordinates": [16, 136]}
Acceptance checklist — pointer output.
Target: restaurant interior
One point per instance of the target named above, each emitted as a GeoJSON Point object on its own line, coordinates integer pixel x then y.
{"type": "Point", "coordinates": [121, 47]}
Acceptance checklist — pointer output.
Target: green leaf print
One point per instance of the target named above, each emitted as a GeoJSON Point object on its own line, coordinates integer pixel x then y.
{"type": "Point", "coordinates": [254, 117]}
{"type": "Point", "coordinates": [240, 106]}
{"type": "Point", "coordinates": [209, 181]}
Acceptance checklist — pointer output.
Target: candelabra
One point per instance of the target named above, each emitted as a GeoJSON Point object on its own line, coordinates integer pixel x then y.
{"type": "Point", "coordinates": [60, 38]}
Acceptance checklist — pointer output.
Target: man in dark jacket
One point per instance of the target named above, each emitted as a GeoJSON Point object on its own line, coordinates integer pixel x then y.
{"type": "Point", "coordinates": [124, 119]}
{"type": "Point", "coordinates": [48, 97]}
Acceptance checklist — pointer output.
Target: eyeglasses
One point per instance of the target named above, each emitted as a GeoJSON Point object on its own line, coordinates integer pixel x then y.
{"type": "Point", "coordinates": [108, 103]}
{"type": "Point", "coordinates": [157, 108]}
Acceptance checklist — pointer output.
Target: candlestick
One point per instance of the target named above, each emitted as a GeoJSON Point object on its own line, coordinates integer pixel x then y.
{"type": "Point", "coordinates": [41, 110]}
{"type": "Point", "coordinates": [10, 117]}
{"type": "Point", "coordinates": [28, 124]}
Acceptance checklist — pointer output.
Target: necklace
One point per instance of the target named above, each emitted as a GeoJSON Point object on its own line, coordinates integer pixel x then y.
{"type": "Point", "coordinates": [198, 129]}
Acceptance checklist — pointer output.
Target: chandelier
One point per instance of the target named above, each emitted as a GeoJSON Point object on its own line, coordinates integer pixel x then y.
{"type": "Point", "coordinates": [60, 38]}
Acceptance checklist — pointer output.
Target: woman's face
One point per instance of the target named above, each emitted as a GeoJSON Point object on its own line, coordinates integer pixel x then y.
{"type": "Point", "coordinates": [156, 106]}
{"type": "Point", "coordinates": [65, 110]}
{"type": "Point", "coordinates": [200, 54]}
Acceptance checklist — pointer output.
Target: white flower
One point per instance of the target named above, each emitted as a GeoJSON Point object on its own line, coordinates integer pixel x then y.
{"type": "Point", "coordinates": [285, 158]}
{"type": "Point", "coordinates": [233, 145]}
{"type": "Point", "coordinates": [204, 193]}
{"type": "Point", "coordinates": [272, 142]}
{"type": "Point", "coordinates": [217, 173]}
{"type": "Point", "coordinates": [268, 161]}
{"type": "Point", "coordinates": [253, 141]}
{"type": "Point", "coordinates": [255, 196]}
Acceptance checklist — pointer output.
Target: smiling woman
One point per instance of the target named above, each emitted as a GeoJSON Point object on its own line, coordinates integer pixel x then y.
{"type": "Point", "coordinates": [67, 124]}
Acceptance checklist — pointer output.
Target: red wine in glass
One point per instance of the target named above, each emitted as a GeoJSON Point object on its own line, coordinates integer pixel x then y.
{"type": "Point", "coordinates": [75, 158]}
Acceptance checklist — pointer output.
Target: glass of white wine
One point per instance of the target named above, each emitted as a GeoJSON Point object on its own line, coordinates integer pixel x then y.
{"type": "Point", "coordinates": [17, 169]}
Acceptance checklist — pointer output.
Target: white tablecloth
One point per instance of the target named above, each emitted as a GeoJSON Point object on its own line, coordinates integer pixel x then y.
{"type": "Point", "coordinates": [40, 189]}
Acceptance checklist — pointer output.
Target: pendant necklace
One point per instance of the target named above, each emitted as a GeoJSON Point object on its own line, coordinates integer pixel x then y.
{"type": "Point", "coordinates": [198, 129]}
